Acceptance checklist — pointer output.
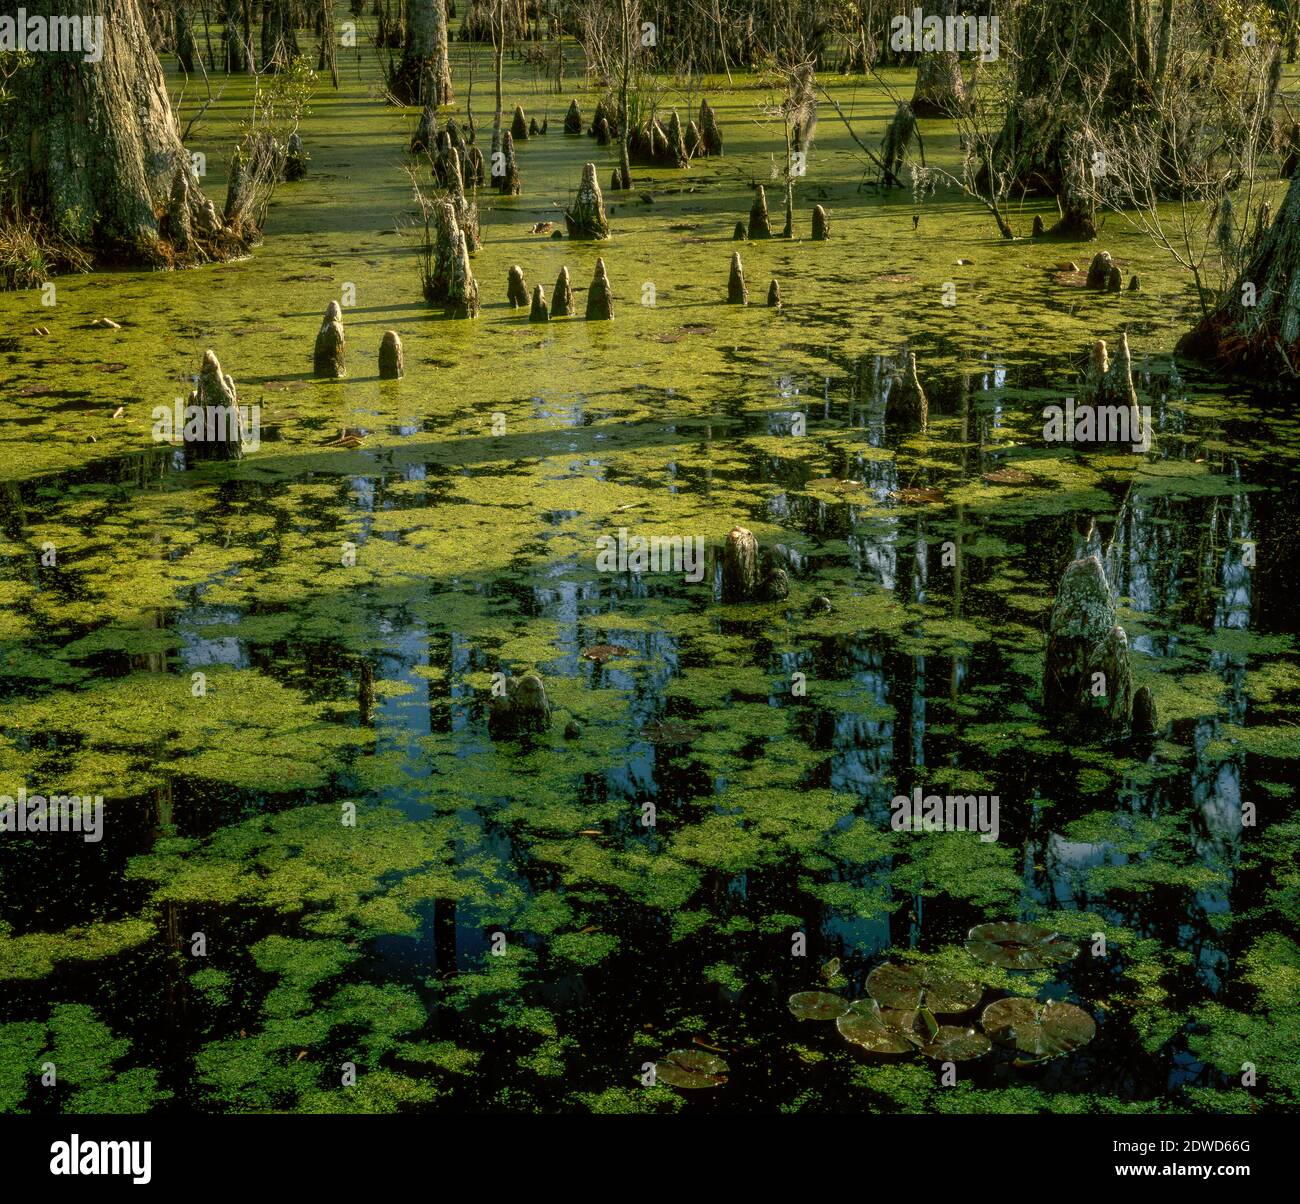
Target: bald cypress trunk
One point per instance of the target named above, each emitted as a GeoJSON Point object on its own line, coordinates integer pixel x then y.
{"type": "Point", "coordinates": [1078, 67]}
{"type": "Point", "coordinates": [92, 149]}
{"type": "Point", "coordinates": [425, 70]}
{"type": "Point", "coordinates": [940, 90]}
{"type": "Point", "coordinates": [1255, 329]}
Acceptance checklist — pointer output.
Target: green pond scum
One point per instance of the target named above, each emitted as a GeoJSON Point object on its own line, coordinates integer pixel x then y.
{"type": "Point", "coordinates": [411, 804]}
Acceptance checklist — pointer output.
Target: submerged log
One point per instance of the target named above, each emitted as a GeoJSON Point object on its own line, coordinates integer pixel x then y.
{"type": "Point", "coordinates": [327, 357]}
{"type": "Point", "coordinates": [740, 579]}
{"type": "Point", "coordinates": [760, 225]}
{"type": "Point", "coordinates": [523, 710]}
{"type": "Point", "coordinates": [1086, 678]}
{"type": "Point", "coordinates": [217, 436]}
{"type": "Point", "coordinates": [600, 300]}
{"type": "Point", "coordinates": [907, 402]}
{"type": "Point", "coordinates": [562, 296]}
{"type": "Point", "coordinates": [391, 366]}
{"type": "Point", "coordinates": [516, 287]}
{"type": "Point", "coordinates": [737, 293]}
{"type": "Point", "coordinates": [587, 220]}
{"type": "Point", "coordinates": [539, 312]}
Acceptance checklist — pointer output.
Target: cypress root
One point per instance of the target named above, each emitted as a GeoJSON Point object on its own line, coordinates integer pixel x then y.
{"type": "Point", "coordinates": [219, 436]}
{"type": "Point", "coordinates": [562, 296]}
{"type": "Point", "coordinates": [516, 287]}
{"type": "Point", "coordinates": [710, 134]}
{"type": "Point", "coordinates": [737, 294]}
{"type": "Point", "coordinates": [907, 400]}
{"type": "Point", "coordinates": [391, 365]}
{"type": "Point", "coordinates": [600, 300]}
{"type": "Point", "coordinates": [1099, 270]}
{"type": "Point", "coordinates": [587, 218]}
{"type": "Point", "coordinates": [676, 144]}
{"type": "Point", "coordinates": [740, 580]}
{"type": "Point", "coordinates": [509, 182]}
{"type": "Point", "coordinates": [760, 225]}
{"type": "Point", "coordinates": [327, 358]}
{"type": "Point", "coordinates": [462, 292]}
{"type": "Point", "coordinates": [539, 312]}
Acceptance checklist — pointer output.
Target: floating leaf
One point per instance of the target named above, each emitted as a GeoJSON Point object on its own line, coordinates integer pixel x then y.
{"type": "Point", "coordinates": [1007, 476]}
{"type": "Point", "coordinates": [667, 732]}
{"type": "Point", "coordinates": [817, 1005]}
{"type": "Point", "coordinates": [862, 1026]}
{"type": "Point", "coordinates": [1044, 1030]}
{"type": "Point", "coordinates": [1018, 946]}
{"type": "Point", "coordinates": [918, 493]}
{"type": "Point", "coordinates": [952, 1044]}
{"type": "Point", "coordinates": [691, 1068]}
{"type": "Point", "coordinates": [600, 653]}
{"type": "Point", "coordinates": [900, 987]}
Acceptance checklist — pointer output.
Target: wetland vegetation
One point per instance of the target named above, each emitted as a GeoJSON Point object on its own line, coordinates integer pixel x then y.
{"type": "Point", "coordinates": [507, 713]}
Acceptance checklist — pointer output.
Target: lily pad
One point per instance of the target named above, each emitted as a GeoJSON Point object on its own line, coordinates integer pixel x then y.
{"type": "Point", "coordinates": [691, 1068]}
{"type": "Point", "coordinates": [1043, 1030]}
{"type": "Point", "coordinates": [953, 1044]}
{"type": "Point", "coordinates": [1018, 946]}
{"type": "Point", "coordinates": [817, 1005]}
{"type": "Point", "coordinates": [862, 1026]}
{"type": "Point", "coordinates": [900, 988]}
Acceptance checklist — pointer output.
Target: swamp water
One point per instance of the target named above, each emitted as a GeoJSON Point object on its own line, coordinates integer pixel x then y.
{"type": "Point", "coordinates": [501, 929]}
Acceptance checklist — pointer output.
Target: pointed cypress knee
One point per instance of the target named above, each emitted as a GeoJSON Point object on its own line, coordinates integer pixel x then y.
{"type": "Point", "coordinates": [516, 287]}
{"type": "Point", "coordinates": [737, 294]}
{"type": "Point", "coordinates": [774, 294]}
{"type": "Point", "coordinates": [821, 224]}
{"type": "Point", "coordinates": [600, 301]}
{"type": "Point", "coordinates": [760, 225]}
{"type": "Point", "coordinates": [573, 118]}
{"type": "Point", "coordinates": [740, 580]}
{"type": "Point", "coordinates": [519, 127]}
{"type": "Point", "coordinates": [907, 401]}
{"type": "Point", "coordinates": [327, 358]}
{"type": "Point", "coordinates": [738, 234]}
{"type": "Point", "coordinates": [539, 312]}
{"type": "Point", "coordinates": [219, 436]}
{"type": "Point", "coordinates": [562, 296]}
{"type": "Point", "coordinates": [391, 365]}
